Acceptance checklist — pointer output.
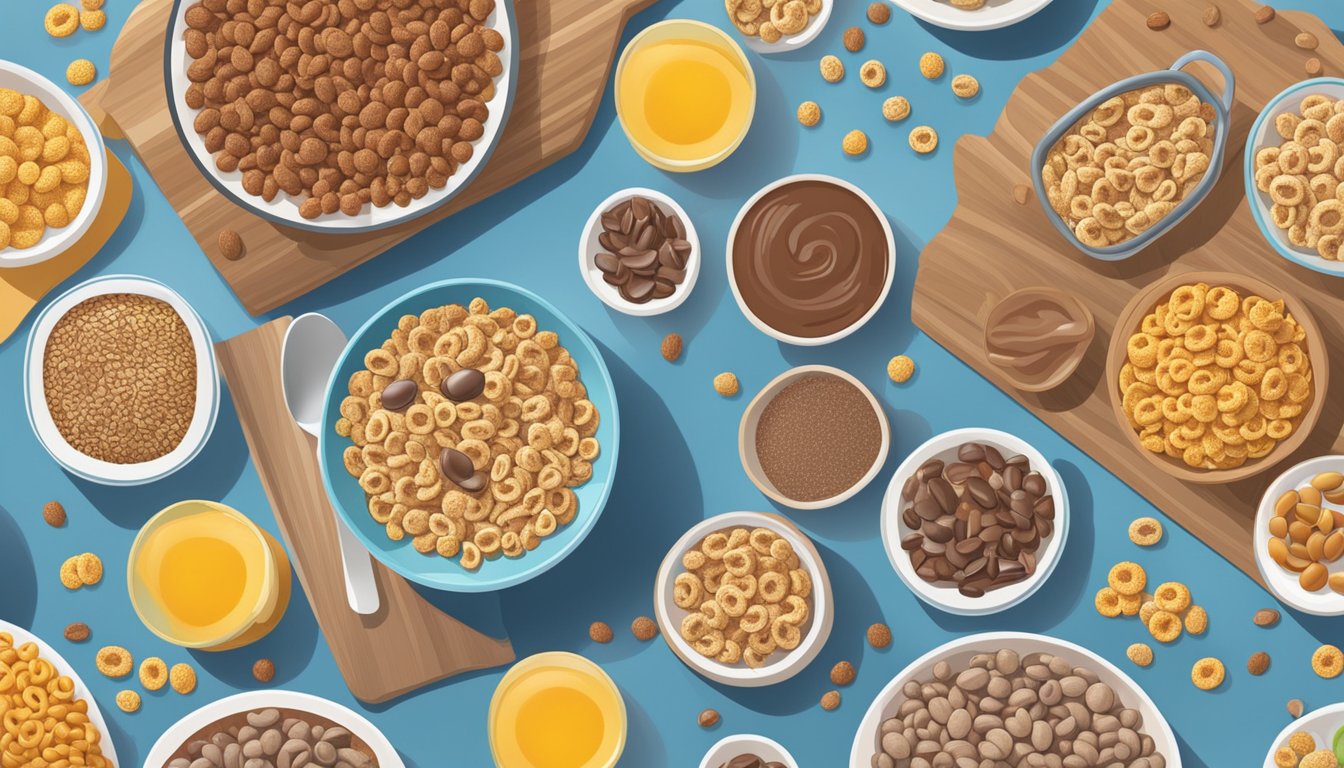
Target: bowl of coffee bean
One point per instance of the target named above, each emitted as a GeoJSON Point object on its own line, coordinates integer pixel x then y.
{"type": "Point", "coordinates": [745, 750]}
{"type": "Point", "coordinates": [639, 253]}
{"type": "Point", "coordinates": [974, 521]}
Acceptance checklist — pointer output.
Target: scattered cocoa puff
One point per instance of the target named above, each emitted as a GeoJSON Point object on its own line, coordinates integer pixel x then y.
{"type": "Point", "coordinates": [600, 632]}
{"type": "Point", "coordinates": [843, 673]}
{"type": "Point", "coordinates": [854, 39]}
{"type": "Point", "coordinates": [671, 347]}
{"type": "Point", "coordinates": [77, 632]}
{"type": "Point", "coordinates": [54, 514]}
{"type": "Point", "coordinates": [644, 628]}
{"type": "Point", "coordinates": [879, 635]}
{"type": "Point", "coordinates": [830, 700]}
{"type": "Point", "coordinates": [709, 718]}
{"type": "Point", "coordinates": [230, 244]}
{"type": "Point", "coordinates": [879, 12]}
{"type": "Point", "coordinates": [264, 670]}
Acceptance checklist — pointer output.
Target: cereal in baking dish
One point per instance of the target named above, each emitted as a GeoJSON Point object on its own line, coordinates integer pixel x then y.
{"type": "Point", "coordinates": [341, 104]}
{"type": "Point", "coordinates": [471, 428]}
{"type": "Point", "coordinates": [747, 596]}
{"type": "Point", "coordinates": [44, 170]}
{"type": "Point", "coordinates": [1214, 377]}
{"type": "Point", "coordinates": [1129, 162]}
{"type": "Point", "coordinates": [1304, 175]}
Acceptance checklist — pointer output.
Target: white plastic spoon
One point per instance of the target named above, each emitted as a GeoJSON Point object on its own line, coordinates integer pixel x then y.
{"type": "Point", "coordinates": [313, 344]}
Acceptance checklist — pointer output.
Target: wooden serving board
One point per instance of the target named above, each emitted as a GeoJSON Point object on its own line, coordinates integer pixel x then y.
{"type": "Point", "coordinates": [566, 48]}
{"type": "Point", "coordinates": [993, 245]}
{"type": "Point", "coordinates": [407, 643]}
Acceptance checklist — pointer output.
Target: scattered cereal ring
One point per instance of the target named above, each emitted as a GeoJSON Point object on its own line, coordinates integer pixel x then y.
{"type": "Point", "coordinates": [1140, 653]}
{"type": "Point", "coordinates": [91, 5]}
{"type": "Point", "coordinates": [1145, 531]}
{"type": "Point", "coordinates": [153, 673]}
{"type": "Point", "coordinates": [1327, 661]}
{"type": "Point", "coordinates": [1127, 578]}
{"type": "Point", "coordinates": [1302, 743]}
{"type": "Point", "coordinates": [873, 74]}
{"type": "Point", "coordinates": [1107, 602]}
{"type": "Point", "coordinates": [965, 86]}
{"type": "Point", "coordinates": [832, 69]}
{"type": "Point", "coordinates": [1197, 620]}
{"type": "Point", "coordinates": [726, 384]}
{"type": "Point", "coordinates": [900, 368]}
{"type": "Point", "coordinates": [62, 20]}
{"type": "Point", "coordinates": [923, 139]}
{"type": "Point", "coordinates": [90, 568]}
{"type": "Point", "coordinates": [183, 678]}
{"type": "Point", "coordinates": [128, 701]}
{"type": "Point", "coordinates": [809, 113]}
{"type": "Point", "coordinates": [114, 661]}
{"type": "Point", "coordinates": [896, 109]}
{"type": "Point", "coordinates": [70, 574]}
{"type": "Point", "coordinates": [1207, 674]}
{"type": "Point", "coordinates": [80, 72]}
{"type": "Point", "coordinates": [855, 143]}
{"type": "Point", "coordinates": [1164, 626]}
{"type": "Point", "coordinates": [92, 21]}
{"type": "Point", "coordinates": [1130, 605]}
{"type": "Point", "coordinates": [1285, 758]}
{"type": "Point", "coordinates": [1172, 596]}
{"type": "Point", "coordinates": [1146, 611]}
{"type": "Point", "coordinates": [931, 65]}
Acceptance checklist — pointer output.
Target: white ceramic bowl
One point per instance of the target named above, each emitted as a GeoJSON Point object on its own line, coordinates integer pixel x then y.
{"type": "Point", "coordinates": [960, 651]}
{"type": "Point", "coordinates": [946, 596]}
{"type": "Point", "coordinates": [55, 241]}
{"type": "Point", "coordinates": [284, 209]}
{"type": "Point", "coordinates": [781, 666]}
{"type": "Point", "coordinates": [994, 14]}
{"type": "Point", "coordinates": [207, 386]}
{"type": "Point", "coordinates": [1264, 135]}
{"type": "Point", "coordinates": [751, 417]}
{"type": "Point", "coordinates": [746, 743]}
{"type": "Point", "coordinates": [589, 247]}
{"type": "Point", "coordinates": [1321, 724]}
{"type": "Point", "coordinates": [1281, 581]}
{"type": "Point", "coordinates": [792, 42]}
{"type": "Point", "coordinates": [63, 667]}
{"type": "Point", "coordinates": [183, 729]}
{"type": "Point", "coordinates": [811, 341]}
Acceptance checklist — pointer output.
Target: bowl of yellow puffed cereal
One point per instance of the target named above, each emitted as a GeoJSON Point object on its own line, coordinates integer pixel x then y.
{"type": "Point", "coordinates": [1215, 376]}
{"type": "Point", "coordinates": [52, 166]}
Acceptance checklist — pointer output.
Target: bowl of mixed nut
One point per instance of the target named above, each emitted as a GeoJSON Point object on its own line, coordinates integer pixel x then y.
{"type": "Point", "coordinates": [1299, 536]}
{"type": "Point", "coordinates": [639, 252]}
{"type": "Point", "coordinates": [974, 521]}
{"type": "Point", "coordinates": [347, 117]}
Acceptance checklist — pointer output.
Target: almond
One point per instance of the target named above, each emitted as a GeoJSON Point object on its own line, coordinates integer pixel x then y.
{"type": "Point", "coordinates": [1159, 20]}
{"type": "Point", "coordinates": [1314, 67]}
{"type": "Point", "coordinates": [1264, 14]}
{"type": "Point", "coordinates": [1295, 707]}
{"type": "Point", "coordinates": [230, 244]}
{"type": "Point", "coordinates": [54, 514]}
{"type": "Point", "coordinates": [1258, 664]}
{"type": "Point", "coordinates": [1306, 41]}
{"type": "Point", "coordinates": [1266, 617]}
{"type": "Point", "coordinates": [1021, 193]}
{"type": "Point", "coordinates": [1212, 16]}
{"type": "Point", "coordinates": [671, 347]}
{"type": "Point", "coordinates": [708, 718]}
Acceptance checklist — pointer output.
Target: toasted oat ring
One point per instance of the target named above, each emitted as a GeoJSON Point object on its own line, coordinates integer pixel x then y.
{"type": "Point", "coordinates": [1187, 302]}
{"type": "Point", "coordinates": [61, 20]}
{"type": "Point", "coordinates": [694, 626]}
{"type": "Point", "coordinates": [798, 610]}
{"type": "Point", "coordinates": [1142, 350]}
{"type": "Point", "coordinates": [1172, 596]}
{"type": "Point", "coordinates": [1207, 674]}
{"type": "Point", "coordinates": [715, 545]}
{"type": "Point", "coordinates": [785, 634]}
{"type": "Point", "coordinates": [715, 616]}
{"type": "Point", "coordinates": [687, 592]}
{"type": "Point", "coordinates": [800, 582]}
{"type": "Point", "coordinates": [740, 561]}
{"type": "Point", "coordinates": [923, 139]}
{"type": "Point", "coordinates": [114, 661]}
{"type": "Point", "coordinates": [1145, 531]}
{"type": "Point", "coordinates": [153, 673]}
{"type": "Point", "coordinates": [1164, 626]}
{"type": "Point", "coordinates": [1107, 602]}
{"type": "Point", "coordinates": [761, 539]}
{"type": "Point", "coordinates": [754, 619]}
{"type": "Point", "coordinates": [732, 600]}
{"type": "Point", "coordinates": [1206, 381]}
{"type": "Point", "coordinates": [772, 586]}
{"type": "Point", "coordinates": [1274, 385]}
{"type": "Point", "coordinates": [1127, 578]}
{"type": "Point", "coordinates": [709, 644]}
{"type": "Point", "coordinates": [731, 653]}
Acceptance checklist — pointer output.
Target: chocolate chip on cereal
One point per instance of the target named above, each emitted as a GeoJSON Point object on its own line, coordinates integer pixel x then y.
{"type": "Point", "coordinates": [230, 244]}
{"type": "Point", "coordinates": [671, 347]}
{"type": "Point", "coordinates": [455, 465]}
{"type": "Point", "coordinates": [708, 718]}
{"type": "Point", "coordinates": [879, 636]}
{"type": "Point", "coordinates": [54, 514]}
{"type": "Point", "coordinates": [475, 483]}
{"type": "Point", "coordinates": [400, 394]}
{"type": "Point", "coordinates": [830, 700]}
{"type": "Point", "coordinates": [853, 39]}
{"type": "Point", "coordinates": [461, 386]}
{"type": "Point", "coordinates": [879, 12]}
{"type": "Point", "coordinates": [601, 632]}
{"type": "Point", "coordinates": [843, 673]}
{"type": "Point", "coordinates": [644, 628]}
{"type": "Point", "coordinates": [1159, 20]}
{"type": "Point", "coordinates": [77, 632]}
{"type": "Point", "coordinates": [263, 670]}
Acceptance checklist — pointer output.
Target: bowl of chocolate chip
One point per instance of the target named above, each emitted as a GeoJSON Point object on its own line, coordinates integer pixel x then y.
{"type": "Point", "coordinates": [639, 252]}
{"type": "Point", "coordinates": [745, 750]}
{"type": "Point", "coordinates": [810, 259]}
{"type": "Point", "coordinates": [813, 437]}
{"type": "Point", "coordinates": [974, 521]}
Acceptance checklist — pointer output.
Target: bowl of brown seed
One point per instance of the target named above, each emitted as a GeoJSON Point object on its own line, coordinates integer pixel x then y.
{"type": "Point", "coordinates": [639, 252]}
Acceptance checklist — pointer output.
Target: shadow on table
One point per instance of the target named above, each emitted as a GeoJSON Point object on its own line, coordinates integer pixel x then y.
{"type": "Point", "coordinates": [225, 455]}
{"type": "Point", "coordinates": [1189, 759]}
{"type": "Point", "coordinates": [127, 754]}
{"type": "Point", "coordinates": [18, 600]}
{"type": "Point", "coordinates": [1046, 32]}
{"type": "Point", "coordinates": [643, 746]}
{"type": "Point", "coordinates": [290, 645]}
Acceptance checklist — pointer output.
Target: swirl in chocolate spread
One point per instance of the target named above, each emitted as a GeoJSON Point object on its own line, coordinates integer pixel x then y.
{"type": "Point", "coordinates": [810, 258]}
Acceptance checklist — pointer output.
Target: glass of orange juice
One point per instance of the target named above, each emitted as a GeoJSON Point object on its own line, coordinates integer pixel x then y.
{"type": "Point", "coordinates": [685, 94]}
{"type": "Point", "coordinates": [556, 710]}
{"type": "Point", "coordinates": [202, 575]}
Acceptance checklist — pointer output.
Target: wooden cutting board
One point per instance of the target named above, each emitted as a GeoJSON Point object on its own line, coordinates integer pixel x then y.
{"type": "Point", "coordinates": [408, 643]}
{"type": "Point", "coordinates": [993, 245]}
{"type": "Point", "coordinates": [566, 48]}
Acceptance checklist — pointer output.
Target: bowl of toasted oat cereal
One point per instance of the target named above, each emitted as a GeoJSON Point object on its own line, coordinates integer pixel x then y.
{"type": "Point", "coordinates": [972, 15]}
{"type": "Point", "coordinates": [471, 435]}
{"type": "Point", "coordinates": [386, 123]}
{"type": "Point", "coordinates": [1135, 158]}
{"type": "Point", "coordinates": [1293, 175]}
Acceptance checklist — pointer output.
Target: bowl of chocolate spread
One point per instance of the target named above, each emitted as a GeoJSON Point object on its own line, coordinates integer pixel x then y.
{"type": "Point", "coordinates": [810, 259]}
{"type": "Point", "coordinates": [1038, 336]}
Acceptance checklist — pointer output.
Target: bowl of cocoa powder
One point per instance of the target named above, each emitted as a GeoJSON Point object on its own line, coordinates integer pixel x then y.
{"type": "Point", "coordinates": [813, 437]}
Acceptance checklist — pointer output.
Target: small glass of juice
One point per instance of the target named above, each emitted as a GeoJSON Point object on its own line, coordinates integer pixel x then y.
{"type": "Point", "coordinates": [202, 575]}
{"type": "Point", "coordinates": [556, 710]}
{"type": "Point", "coordinates": [685, 95]}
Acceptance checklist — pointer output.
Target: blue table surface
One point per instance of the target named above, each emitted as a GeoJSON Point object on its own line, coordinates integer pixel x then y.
{"type": "Point", "coordinates": [679, 462]}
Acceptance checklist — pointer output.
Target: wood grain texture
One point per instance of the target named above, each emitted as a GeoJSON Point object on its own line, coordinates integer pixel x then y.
{"type": "Point", "coordinates": [993, 246]}
{"type": "Point", "coordinates": [566, 48]}
{"type": "Point", "coordinates": [408, 643]}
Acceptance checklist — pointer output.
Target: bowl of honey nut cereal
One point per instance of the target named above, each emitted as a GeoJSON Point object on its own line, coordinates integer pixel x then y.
{"type": "Point", "coordinates": [54, 164]}
{"type": "Point", "coordinates": [349, 117]}
{"type": "Point", "coordinates": [1134, 159]}
{"type": "Point", "coordinates": [1214, 376]}
{"type": "Point", "coordinates": [972, 15]}
{"type": "Point", "coordinates": [35, 660]}
{"type": "Point", "coordinates": [120, 380]}
{"type": "Point", "coordinates": [472, 435]}
{"type": "Point", "coordinates": [1299, 536]}
{"type": "Point", "coordinates": [1293, 174]}
{"type": "Point", "coordinates": [779, 25]}
{"type": "Point", "coordinates": [744, 599]}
